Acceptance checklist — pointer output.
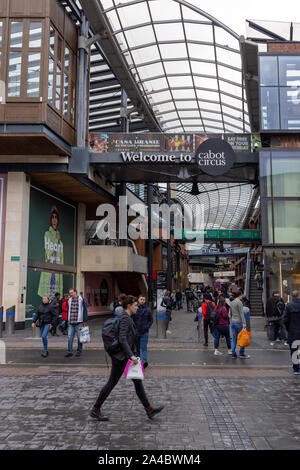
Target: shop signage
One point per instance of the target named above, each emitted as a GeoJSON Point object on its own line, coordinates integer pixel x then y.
{"type": "Point", "coordinates": [224, 274]}
{"type": "Point", "coordinates": [167, 143]}
{"type": "Point", "coordinates": [215, 156]}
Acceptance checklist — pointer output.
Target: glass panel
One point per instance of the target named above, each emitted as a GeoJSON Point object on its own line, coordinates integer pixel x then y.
{"type": "Point", "coordinates": [35, 34]}
{"type": "Point", "coordinates": [58, 89]}
{"type": "Point", "coordinates": [67, 59]}
{"type": "Point", "coordinates": [66, 94]}
{"type": "Point", "coordinates": [268, 71]}
{"type": "Point", "coordinates": [1, 32]}
{"type": "Point", "coordinates": [289, 71]}
{"type": "Point", "coordinates": [50, 79]}
{"type": "Point", "coordinates": [14, 75]}
{"type": "Point", "coordinates": [269, 113]}
{"type": "Point", "coordinates": [59, 49]}
{"type": "Point", "coordinates": [290, 108]}
{"type": "Point", "coordinates": [286, 221]}
{"type": "Point", "coordinates": [16, 34]}
{"type": "Point", "coordinates": [52, 41]}
{"type": "Point", "coordinates": [72, 101]}
{"type": "Point", "coordinates": [286, 174]}
{"type": "Point", "coordinates": [33, 82]}
{"type": "Point", "coordinates": [265, 173]}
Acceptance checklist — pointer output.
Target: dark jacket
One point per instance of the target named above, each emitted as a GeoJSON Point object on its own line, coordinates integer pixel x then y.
{"type": "Point", "coordinates": [291, 319]}
{"type": "Point", "coordinates": [167, 302]}
{"type": "Point", "coordinates": [178, 296]}
{"type": "Point", "coordinates": [223, 317]}
{"type": "Point", "coordinates": [274, 307]}
{"type": "Point", "coordinates": [46, 314]}
{"type": "Point", "coordinates": [143, 319]}
{"type": "Point", "coordinates": [128, 337]}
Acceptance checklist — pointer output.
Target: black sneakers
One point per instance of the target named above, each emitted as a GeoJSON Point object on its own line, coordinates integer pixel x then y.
{"type": "Point", "coordinates": [45, 354]}
{"type": "Point", "coordinates": [151, 412]}
{"type": "Point", "coordinates": [68, 354]}
{"type": "Point", "coordinates": [96, 413]}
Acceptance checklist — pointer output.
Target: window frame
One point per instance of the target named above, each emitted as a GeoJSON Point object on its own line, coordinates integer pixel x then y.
{"type": "Point", "coordinates": [25, 50]}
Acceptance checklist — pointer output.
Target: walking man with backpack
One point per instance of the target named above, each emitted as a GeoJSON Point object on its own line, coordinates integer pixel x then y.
{"type": "Point", "coordinates": [274, 310]}
{"type": "Point", "coordinates": [208, 315]}
{"type": "Point", "coordinates": [121, 346]}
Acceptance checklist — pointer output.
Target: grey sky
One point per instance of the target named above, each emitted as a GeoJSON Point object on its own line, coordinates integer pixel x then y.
{"type": "Point", "coordinates": [233, 13]}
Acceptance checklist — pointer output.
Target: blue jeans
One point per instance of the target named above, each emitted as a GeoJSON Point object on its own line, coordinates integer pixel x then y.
{"type": "Point", "coordinates": [236, 329]}
{"type": "Point", "coordinates": [44, 333]}
{"type": "Point", "coordinates": [142, 347]}
{"type": "Point", "coordinates": [222, 330]}
{"type": "Point", "coordinates": [74, 329]}
{"type": "Point", "coordinates": [179, 304]}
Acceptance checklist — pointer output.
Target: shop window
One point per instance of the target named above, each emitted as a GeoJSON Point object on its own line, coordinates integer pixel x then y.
{"type": "Point", "coordinates": [286, 221]}
{"type": "Point", "coordinates": [62, 70]}
{"type": "Point", "coordinates": [24, 59]}
{"type": "Point", "coordinates": [286, 174]}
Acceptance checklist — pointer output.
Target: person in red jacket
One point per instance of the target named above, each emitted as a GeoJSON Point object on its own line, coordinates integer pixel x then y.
{"type": "Point", "coordinates": [205, 322]}
{"type": "Point", "coordinates": [64, 308]}
{"type": "Point", "coordinates": [222, 326]}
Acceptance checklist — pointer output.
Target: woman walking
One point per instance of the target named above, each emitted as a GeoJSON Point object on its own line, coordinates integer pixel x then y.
{"type": "Point", "coordinates": [128, 337]}
{"type": "Point", "coordinates": [45, 316]}
{"type": "Point", "coordinates": [222, 326]}
{"type": "Point", "coordinates": [167, 303]}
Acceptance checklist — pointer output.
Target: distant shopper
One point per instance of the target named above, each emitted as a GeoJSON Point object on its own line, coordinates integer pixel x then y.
{"type": "Point", "coordinates": [179, 299]}
{"type": "Point", "coordinates": [64, 307]}
{"type": "Point", "coordinates": [190, 299]}
{"type": "Point", "coordinates": [128, 337]}
{"type": "Point", "coordinates": [77, 318]}
{"type": "Point", "coordinates": [118, 309]}
{"type": "Point", "coordinates": [222, 326]}
{"type": "Point", "coordinates": [56, 303]}
{"type": "Point", "coordinates": [173, 298]}
{"type": "Point", "coordinates": [291, 319]}
{"type": "Point", "coordinates": [259, 280]}
{"type": "Point", "coordinates": [207, 304]}
{"type": "Point", "coordinates": [274, 310]}
{"type": "Point", "coordinates": [45, 316]}
{"type": "Point", "coordinates": [143, 320]}
{"type": "Point", "coordinates": [238, 323]}
{"type": "Point", "coordinates": [167, 303]}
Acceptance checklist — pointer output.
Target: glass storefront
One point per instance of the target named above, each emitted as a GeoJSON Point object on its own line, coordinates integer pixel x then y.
{"type": "Point", "coordinates": [282, 271]}
{"type": "Point", "coordinates": [280, 192]}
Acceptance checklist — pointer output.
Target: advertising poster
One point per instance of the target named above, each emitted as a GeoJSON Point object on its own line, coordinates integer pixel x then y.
{"type": "Point", "coordinates": [200, 138]}
{"type": "Point", "coordinates": [99, 143]}
{"type": "Point", "coordinates": [179, 143]}
{"type": "Point", "coordinates": [135, 142]}
{"type": "Point", "coordinates": [239, 142]}
{"type": "Point", "coordinates": [51, 240]}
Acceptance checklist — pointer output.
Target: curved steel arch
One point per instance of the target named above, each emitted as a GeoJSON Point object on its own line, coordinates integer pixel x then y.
{"type": "Point", "coordinates": [147, 51]}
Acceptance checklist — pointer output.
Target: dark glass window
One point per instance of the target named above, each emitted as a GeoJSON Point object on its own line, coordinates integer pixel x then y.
{"type": "Point", "coordinates": [268, 71]}
{"type": "Point", "coordinates": [269, 104]}
{"type": "Point", "coordinates": [289, 71]}
{"type": "Point", "coordinates": [290, 108]}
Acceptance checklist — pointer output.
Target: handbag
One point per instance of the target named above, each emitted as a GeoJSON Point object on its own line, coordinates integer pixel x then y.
{"type": "Point", "coordinates": [38, 323]}
{"type": "Point", "coordinates": [244, 339]}
{"type": "Point", "coordinates": [134, 371]}
{"type": "Point", "coordinates": [84, 335]}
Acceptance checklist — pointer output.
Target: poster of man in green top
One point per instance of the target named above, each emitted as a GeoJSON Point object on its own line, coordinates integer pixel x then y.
{"type": "Point", "coordinates": [50, 283]}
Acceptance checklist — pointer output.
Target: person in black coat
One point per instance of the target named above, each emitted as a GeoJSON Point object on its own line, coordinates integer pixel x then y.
{"type": "Point", "coordinates": [45, 316]}
{"type": "Point", "coordinates": [291, 319]}
{"type": "Point", "coordinates": [128, 337]}
{"type": "Point", "coordinates": [167, 303]}
{"type": "Point", "coordinates": [274, 310]}
{"type": "Point", "coordinates": [143, 320]}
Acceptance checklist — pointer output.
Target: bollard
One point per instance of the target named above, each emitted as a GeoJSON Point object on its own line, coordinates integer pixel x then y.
{"type": "Point", "coordinates": [36, 331]}
{"type": "Point", "coordinates": [10, 320]}
{"type": "Point", "coordinates": [1, 322]}
{"type": "Point", "coordinates": [2, 352]}
{"type": "Point", "coordinates": [161, 322]}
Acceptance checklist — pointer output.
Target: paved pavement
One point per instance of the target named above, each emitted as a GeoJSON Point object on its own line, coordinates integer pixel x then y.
{"type": "Point", "coordinates": [211, 402]}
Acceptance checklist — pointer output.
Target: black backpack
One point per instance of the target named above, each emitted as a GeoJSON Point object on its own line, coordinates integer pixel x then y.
{"type": "Point", "coordinates": [211, 313]}
{"type": "Point", "coordinates": [110, 335]}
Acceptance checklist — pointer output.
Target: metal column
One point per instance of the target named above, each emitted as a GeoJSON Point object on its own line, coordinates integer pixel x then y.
{"type": "Point", "coordinates": [150, 243]}
{"type": "Point", "coordinates": [82, 99]}
{"type": "Point", "coordinates": [169, 259]}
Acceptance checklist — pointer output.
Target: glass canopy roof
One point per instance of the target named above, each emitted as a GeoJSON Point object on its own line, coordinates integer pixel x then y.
{"type": "Point", "coordinates": [225, 204]}
{"type": "Point", "coordinates": [186, 63]}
